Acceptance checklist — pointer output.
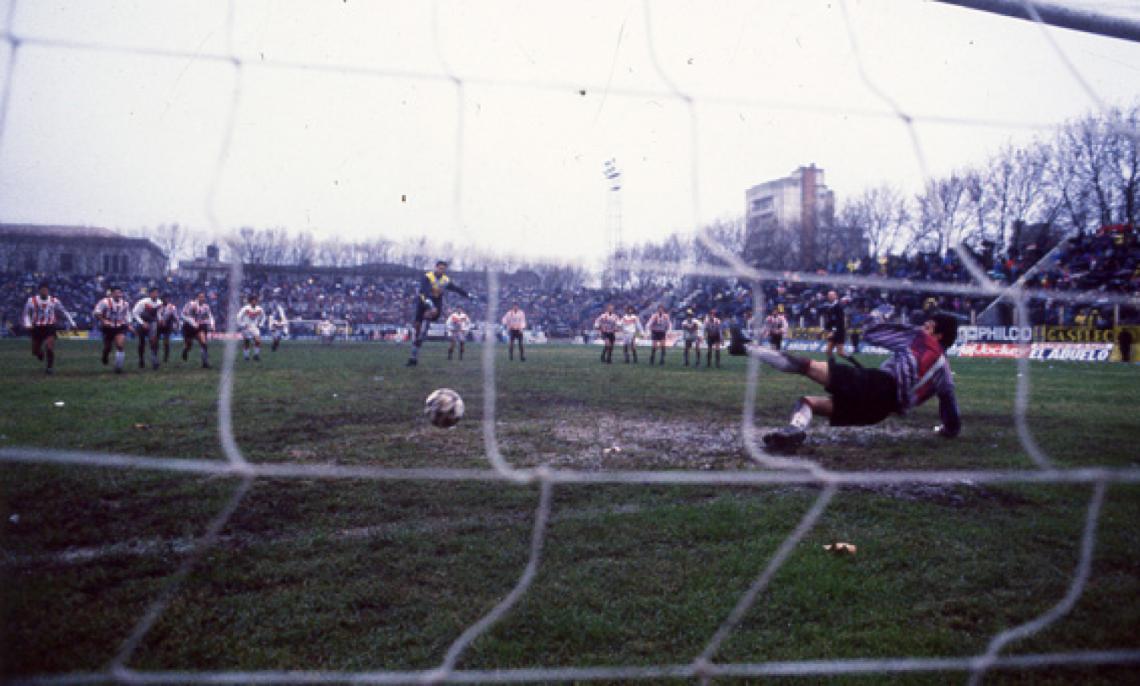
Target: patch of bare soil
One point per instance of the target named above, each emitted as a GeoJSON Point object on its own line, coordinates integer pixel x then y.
{"type": "Point", "coordinates": [594, 441]}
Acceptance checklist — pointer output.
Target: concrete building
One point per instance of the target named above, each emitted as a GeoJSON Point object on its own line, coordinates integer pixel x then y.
{"type": "Point", "coordinates": [35, 248]}
{"type": "Point", "coordinates": [799, 206]}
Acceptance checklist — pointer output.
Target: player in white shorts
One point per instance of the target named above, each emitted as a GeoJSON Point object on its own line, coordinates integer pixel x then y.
{"type": "Point", "coordinates": [326, 330]}
{"type": "Point", "coordinates": [278, 326]}
{"type": "Point", "coordinates": [458, 324]}
{"type": "Point", "coordinates": [250, 319]}
{"type": "Point", "coordinates": [630, 329]}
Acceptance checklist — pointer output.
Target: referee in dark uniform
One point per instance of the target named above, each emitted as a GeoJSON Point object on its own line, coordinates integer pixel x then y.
{"type": "Point", "coordinates": [835, 325]}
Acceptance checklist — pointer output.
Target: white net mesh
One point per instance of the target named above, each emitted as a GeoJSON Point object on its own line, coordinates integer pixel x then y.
{"type": "Point", "coordinates": [772, 469]}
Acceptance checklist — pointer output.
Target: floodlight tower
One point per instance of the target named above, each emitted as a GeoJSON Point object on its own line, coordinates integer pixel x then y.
{"type": "Point", "coordinates": [614, 247]}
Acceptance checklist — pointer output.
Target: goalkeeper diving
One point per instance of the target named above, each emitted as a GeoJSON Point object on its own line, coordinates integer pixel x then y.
{"type": "Point", "coordinates": [916, 371]}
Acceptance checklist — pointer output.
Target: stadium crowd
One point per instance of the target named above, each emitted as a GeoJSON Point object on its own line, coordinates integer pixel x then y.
{"type": "Point", "coordinates": [1107, 261]}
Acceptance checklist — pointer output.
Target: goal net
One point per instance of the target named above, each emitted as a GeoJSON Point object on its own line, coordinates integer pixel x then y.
{"type": "Point", "coordinates": [464, 116]}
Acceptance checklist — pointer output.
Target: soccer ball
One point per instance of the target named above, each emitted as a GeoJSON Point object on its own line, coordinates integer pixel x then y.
{"type": "Point", "coordinates": [444, 407]}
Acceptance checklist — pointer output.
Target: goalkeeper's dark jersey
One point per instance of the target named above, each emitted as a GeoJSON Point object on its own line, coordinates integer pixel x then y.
{"type": "Point", "coordinates": [919, 368]}
{"type": "Point", "coordinates": [431, 292]}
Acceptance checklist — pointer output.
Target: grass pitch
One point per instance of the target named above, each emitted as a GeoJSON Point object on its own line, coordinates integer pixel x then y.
{"type": "Point", "coordinates": [349, 575]}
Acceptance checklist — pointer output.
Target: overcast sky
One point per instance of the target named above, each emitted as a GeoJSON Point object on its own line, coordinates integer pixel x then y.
{"type": "Point", "coordinates": [129, 138]}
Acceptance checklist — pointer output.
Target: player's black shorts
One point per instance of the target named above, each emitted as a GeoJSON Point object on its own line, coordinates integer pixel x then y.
{"type": "Point", "coordinates": [777, 340]}
{"type": "Point", "coordinates": [839, 337]}
{"type": "Point", "coordinates": [860, 396]}
{"type": "Point", "coordinates": [422, 311]}
{"type": "Point", "coordinates": [657, 335]}
{"type": "Point", "coordinates": [609, 337]}
{"type": "Point", "coordinates": [189, 331]}
{"type": "Point", "coordinates": [110, 332]}
{"type": "Point", "coordinates": [515, 335]}
{"type": "Point", "coordinates": [165, 330]}
{"type": "Point", "coordinates": [714, 339]}
{"type": "Point", "coordinates": [42, 333]}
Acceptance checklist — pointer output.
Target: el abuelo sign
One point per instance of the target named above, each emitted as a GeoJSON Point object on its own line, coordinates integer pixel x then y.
{"type": "Point", "coordinates": [1066, 352]}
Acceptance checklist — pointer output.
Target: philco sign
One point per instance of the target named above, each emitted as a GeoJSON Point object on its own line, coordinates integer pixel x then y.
{"type": "Point", "coordinates": [997, 334]}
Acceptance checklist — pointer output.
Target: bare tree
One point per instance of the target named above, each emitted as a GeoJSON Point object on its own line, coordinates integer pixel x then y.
{"type": "Point", "coordinates": [1092, 170]}
{"type": "Point", "coordinates": [881, 215]}
{"type": "Point", "coordinates": [375, 251]}
{"type": "Point", "coordinates": [773, 245]}
{"type": "Point", "coordinates": [942, 213]}
{"type": "Point", "coordinates": [1123, 131]}
{"type": "Point", "coordinates": [171, 239]}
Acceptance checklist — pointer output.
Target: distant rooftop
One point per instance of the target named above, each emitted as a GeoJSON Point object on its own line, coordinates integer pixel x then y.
{"type": "Point", "coordinates": [49, 231]}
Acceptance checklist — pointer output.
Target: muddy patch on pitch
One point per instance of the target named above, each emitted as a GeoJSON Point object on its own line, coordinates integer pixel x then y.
{"type": "Point", "coordinates": [863, 436]}
{"type": "Point", "coordinates": [595, 442]}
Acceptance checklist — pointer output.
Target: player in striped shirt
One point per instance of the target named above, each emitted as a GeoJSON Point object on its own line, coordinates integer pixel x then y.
{"type": "Point", "coordinates": [607, 324]}
{"type": "Point", "coordinates": [145, 317]}
{"type": "Point", "coordinates": [250, 319]}
{"type": "Point", "coordinates": [197, 323]}
{"type": "Point", "coordinates": [631, 328]}
{"type": "Point", "coordinates": [326, 330]}
{"type": "Point", "coordinates": [114, 316]}
{"type": "Point", "coordinates": [916, 371]}
{"type": "Point", "coordinates": [278, 325]}
{"type": "Point", "coordinates": [712, 338]}
{"type": "Point", "coordinates": [458, 324]}
{"type": "Point", "coordinates": [692, 329]}
{"type": "Point", "coordinates": [659, 324]}
{"type": "Point", "coordinates": [776, 327]}
{"type": "Point", "coordinates": [515, 322]}
{"type": "Point", "coordinates": [42, 315]}
{"type": "Point", "coordinates": [168, 321]}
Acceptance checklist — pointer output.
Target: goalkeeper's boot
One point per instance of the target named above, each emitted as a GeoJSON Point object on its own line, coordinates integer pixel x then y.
{"type": "Point", "coordinates": [411, 362]}
{"type": "Point", "coordinates": [787, 438]}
